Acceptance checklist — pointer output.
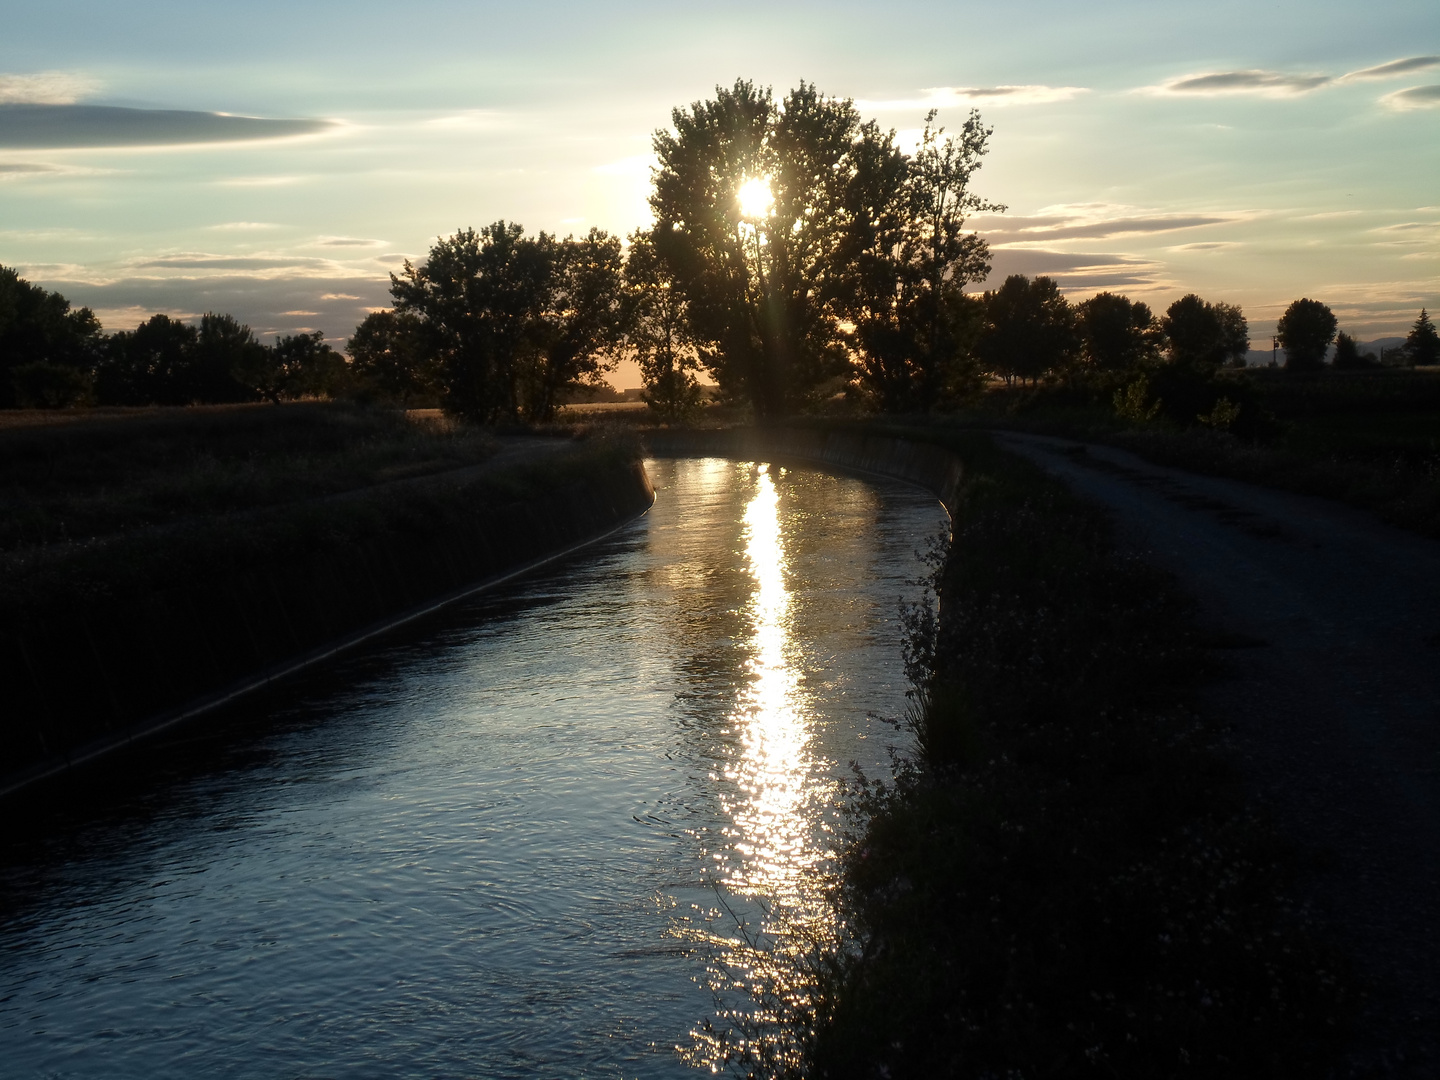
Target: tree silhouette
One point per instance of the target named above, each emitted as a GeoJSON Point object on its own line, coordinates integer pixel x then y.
{"type": "Point", "coordinates": [909, 260]}
{"type": "Point", "coordinates": [391, 358]}
{"type": "Point", "coordinates": [1030, 329]}
{"type": "Point", "coordinates": [1305, 332]}
{"type": "Point", "coordinates": [580, 323]}
{"type": "Point", "coordinates": [1118, 334]}
{"type": "Point", "coordinates": [761, 282]}
{"type": "Point", "coordinates": [477, 296]}
{"type": "Point", "coordinates": [150, 365]}
{"type": "Point", "coordinates": [1347, 354]}
{"type": "Point", "coordinates": [1422, 344]}
{"type": "Point", "coordinates": [47, 350]}
{"type": "Point", "coordinates": [303, 365]}
{"type": "Point", "coordinates": [660, 334]}
{"type": "Point", "coordinates": [1201, 336]}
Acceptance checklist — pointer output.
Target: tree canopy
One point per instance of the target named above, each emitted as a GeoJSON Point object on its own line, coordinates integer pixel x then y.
{"type": "Point", "coordinates": [1203, 336]}
{"type": "Point", "coordinates": [1118, 334]}
{"type": "Point", "coordinates": [1030, 329]}
{"type": "Point", "coordinates": [1305, 331]}
{"type": "Point", "coordinates": [1422, 344]}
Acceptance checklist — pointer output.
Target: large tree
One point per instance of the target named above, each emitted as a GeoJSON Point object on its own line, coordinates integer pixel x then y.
{"type": "Point", "coordinates": [1118, 334]}
{"type": "Point", "coordinates": [1305, 331]}
{"type": "Point", "coordinates": [659, 333]}
{"type": "Point", "coordinates": [477, 296]}
{"type": "Point", "coordinates": [1030, 329]}
{"type": "Point", "coordinates": [391, 358]}
{"type": "Point", "coordinates": [1203, 336]}
{"type": "Point", "coordinates": [909, 262]}
{"type": "Point", "coordinates": [150, 365]}
{"type": "Point", "coordinates": [1422, 344]}
{"type": "Point", "coordinates": [580, 323]}
{"type": "Point", "coordinates": [761, 274]}
{"type": "Point", "coordinates": [47, 350]}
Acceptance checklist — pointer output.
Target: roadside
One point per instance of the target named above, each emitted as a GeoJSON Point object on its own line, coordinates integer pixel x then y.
{"type": "Point", "coordinates": [1330, 622]}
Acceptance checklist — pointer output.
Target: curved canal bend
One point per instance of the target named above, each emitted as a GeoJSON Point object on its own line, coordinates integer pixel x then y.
{"type": "Point", "coordinates": [505, 845]}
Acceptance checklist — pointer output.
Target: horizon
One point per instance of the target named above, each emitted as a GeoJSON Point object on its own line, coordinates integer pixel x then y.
{"type": "Point", "coordinates": [1147, 152]}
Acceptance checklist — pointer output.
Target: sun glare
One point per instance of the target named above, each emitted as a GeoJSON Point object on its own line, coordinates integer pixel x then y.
{"type": "Point", "coordinates": [756, 198]}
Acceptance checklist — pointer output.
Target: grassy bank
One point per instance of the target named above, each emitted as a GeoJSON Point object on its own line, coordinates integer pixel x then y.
{"type": "Point", "coordinates": [1066, 880]}
{"type": "Point", "coordinates": [92, 477]}
{"type": "Point", "coordinates": [304, 528]}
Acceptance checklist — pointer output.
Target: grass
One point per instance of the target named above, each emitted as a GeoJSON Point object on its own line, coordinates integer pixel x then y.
{"type": "Point", "coordinates": [90, 479]}
{"type": "Point", "coordinates": [1065, 881]}
{"type": "Point", "coordinates": [101, 511]}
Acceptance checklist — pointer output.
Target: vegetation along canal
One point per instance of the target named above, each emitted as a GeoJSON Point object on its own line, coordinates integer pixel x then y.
{"type": "Point", "coordinates": [512, 844]}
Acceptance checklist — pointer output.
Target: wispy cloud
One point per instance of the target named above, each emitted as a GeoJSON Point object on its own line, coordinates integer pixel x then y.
{"type": "Point", "coordinates": [1213, 245]}
{"type": "Point", "coordinates": [471, 120]}
{"type": "Point", "coordinates": [61, 126]}
{"type": "Point", "coordinates": [1251, 82]}
{"type": "Point", "coordinates": [242, 226]}
{"type": "Point", "coordinates": [45, 88]}
{"type": "Point", "coordinates": [260, 181]}
{"type": "Point", "coordinates": [1078, 272]}
{"type": "Point", "coordinates": [939, 97]}
{"type": "Point", "coordinates": [1414, 97]}
{"type": "Point", "coordinates": [349, 242]}
{"type": "Point", "coordinates": [1090, 221]}
{"type": "Point", "coordinates": [1393, 68]}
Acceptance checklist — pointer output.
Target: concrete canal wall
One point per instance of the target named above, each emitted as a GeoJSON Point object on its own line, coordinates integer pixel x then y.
{"type": "Point", "coordinates": [85, 677]}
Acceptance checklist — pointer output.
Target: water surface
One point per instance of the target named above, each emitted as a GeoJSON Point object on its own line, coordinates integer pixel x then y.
{"type": "Point", "coordinates": [497, 845]}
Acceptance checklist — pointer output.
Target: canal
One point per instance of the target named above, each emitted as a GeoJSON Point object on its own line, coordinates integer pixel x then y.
{"type": "Point", "coordinates": [519, 841]}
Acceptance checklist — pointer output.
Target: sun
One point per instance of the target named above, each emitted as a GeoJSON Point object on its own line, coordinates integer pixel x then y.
{"type": "Point", "coordinates": [756, 199]}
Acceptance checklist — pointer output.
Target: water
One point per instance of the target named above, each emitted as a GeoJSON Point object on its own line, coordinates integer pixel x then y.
{"type": "Point", "coordinates": [505, 845]}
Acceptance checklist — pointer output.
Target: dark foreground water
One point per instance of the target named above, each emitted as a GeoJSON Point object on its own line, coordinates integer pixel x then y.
{"type": "Point", "coordinates": [506, 845]}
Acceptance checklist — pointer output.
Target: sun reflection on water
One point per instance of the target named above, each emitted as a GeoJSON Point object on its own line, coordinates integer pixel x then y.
{"type": "Point", "coordinates": [771, 886]}
{"type": "Point", "coordinates": [771, 830]}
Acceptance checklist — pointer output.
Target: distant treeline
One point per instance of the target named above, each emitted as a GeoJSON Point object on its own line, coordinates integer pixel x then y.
{"type": "Point", "coordinates": [797, 254]}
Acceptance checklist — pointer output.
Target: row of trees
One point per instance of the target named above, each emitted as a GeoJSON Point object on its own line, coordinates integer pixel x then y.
{"type": "Point", "coordinates": [52, 355]}
{"type": "Point", "coordinates": [794, 246]}
{"type": "Point", "coordinates": [1308, 329]}
{"type": "Point", "coordinates": [1027, 330]}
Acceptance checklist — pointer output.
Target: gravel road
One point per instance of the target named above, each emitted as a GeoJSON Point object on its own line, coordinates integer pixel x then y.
{"type": "Point", "coordinates": [1329, 621]}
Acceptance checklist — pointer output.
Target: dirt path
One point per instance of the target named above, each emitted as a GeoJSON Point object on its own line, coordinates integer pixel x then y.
{"type": "Point", "coordinates": [1330, 621]}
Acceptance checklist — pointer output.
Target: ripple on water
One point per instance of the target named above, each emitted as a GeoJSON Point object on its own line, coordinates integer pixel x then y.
{"type": "Point", "coordinates": [502, 845]}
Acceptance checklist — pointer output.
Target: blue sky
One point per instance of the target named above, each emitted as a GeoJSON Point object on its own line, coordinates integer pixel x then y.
{"type": "Point", "coordinates": [1248, 152]}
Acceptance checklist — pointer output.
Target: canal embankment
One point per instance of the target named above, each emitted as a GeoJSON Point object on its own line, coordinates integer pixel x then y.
{"type": "Point", "coordinates": [158, 567]}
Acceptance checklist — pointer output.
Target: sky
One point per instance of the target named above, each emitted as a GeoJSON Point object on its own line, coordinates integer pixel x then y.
{"type": "Point", "coordinates": [277, 160]}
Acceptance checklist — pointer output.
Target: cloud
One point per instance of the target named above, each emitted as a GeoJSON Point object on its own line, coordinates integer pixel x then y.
{"type": "Point", "coordinates": [473, 120]}
{"type": "Point", "coordinates": [1076, 271]}
{"type": "Point", "coordinates": [1092, 221]}
{"type": "Point", "coordinates": [260, 181]}
{"type": "Point", "coordinates": [61, 126]}
{"type": "Point", "coordinates": [1393, 68]}
{"type": "Point", "coordinates": [276, 305]}
{"type": "Point", "coordinates": [242, 226]}
{"type": "Point", "coordinates": [1261, 83]}
{"type": "Point", "coordinates": [1214, 245]}
{"type": "Point", "coordinates": [937, 97]}
{"type": "Point", "coordinates": [25, 168]}
{"type": "Point", "coordinates": [349, 242]}
{"type": "Point", "coordinates": [1414, 97]}
{"type": "Point", "coordinates": [45, 88]}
